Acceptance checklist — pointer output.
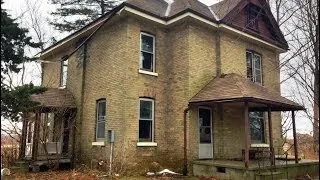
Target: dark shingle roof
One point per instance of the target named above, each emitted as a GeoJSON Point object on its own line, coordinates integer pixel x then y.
{"type": "Point", "coordinates": [222, 8]}
{"type": "Point", "coordinates": [163, 9]}
{"type": "Point", "coordinates": [235, 87]}
{"type": "Point", "coordinates": [55, 98]}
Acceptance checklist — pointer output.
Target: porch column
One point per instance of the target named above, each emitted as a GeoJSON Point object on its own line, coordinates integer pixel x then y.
{"type": "Point", "coordinates": [270, 137]}
{"type": "Point", "coordinates": [36, 135]}
{"type": "Point", "coordinates": [246, 135]}
{"type": "Point", "coordinates": [294, 138]}
{"type": "Point", "coordinates": [23, 136]}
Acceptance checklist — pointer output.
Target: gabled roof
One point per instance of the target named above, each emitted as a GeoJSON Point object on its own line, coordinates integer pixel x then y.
{"type": "Point", "coordinates": [233, 87]}
{"type": "Point", "coordinates": [223, 8]}
{"type": "Point", "coordinates": [169, 9]}
{"type": "Point", "coordinates": [55, 98]}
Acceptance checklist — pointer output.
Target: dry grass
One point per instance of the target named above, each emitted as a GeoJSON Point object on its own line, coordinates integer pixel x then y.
{"type": "Point", "coordinates": [87, 175]}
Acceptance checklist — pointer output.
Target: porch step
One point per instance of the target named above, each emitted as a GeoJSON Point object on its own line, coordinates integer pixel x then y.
{"type": "Point", "coordinates": [21, 166]}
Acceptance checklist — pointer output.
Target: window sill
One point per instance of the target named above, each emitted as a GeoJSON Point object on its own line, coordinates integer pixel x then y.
{"type": "Point", "coordinates": [148, 73]}
{"type": "Point", "coordinates": [100, 143]}
{"type": "Point", "coordinates": [259, 145]}
{"type": "Point", "coordinates": [62, 87]}
{"type": "Point", "coordinates": [147, 144]}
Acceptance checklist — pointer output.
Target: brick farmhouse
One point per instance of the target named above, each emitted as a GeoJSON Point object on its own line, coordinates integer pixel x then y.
{"type": "Point", "coordinates": [166, 81]}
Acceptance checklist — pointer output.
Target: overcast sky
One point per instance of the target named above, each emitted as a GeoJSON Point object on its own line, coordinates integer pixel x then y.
{"type": "Point", "coordinates": [18, 8]}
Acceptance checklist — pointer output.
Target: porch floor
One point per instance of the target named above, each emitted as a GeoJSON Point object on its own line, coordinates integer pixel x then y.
{"type": "Point", "coordinates": [252, 164]}
{"type": "Point", "coordinates": [49, 157]}
{"type": "Point", "coordinates": [228, 169]}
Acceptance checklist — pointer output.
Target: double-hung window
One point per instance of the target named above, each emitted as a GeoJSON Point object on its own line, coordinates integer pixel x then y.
{"type": "Point", "coordinates": [100, 119]}
{"type": "Point", "coordinates": [146, 120]}
{"type": "Point", "coordinates": [256, 119]}
{"type": "Point", "coordinates": [147, 52]}
{"type": "Point", "coordinates": [256, 127]}
{"type": "Point", "coordinates": [64, 73]}
{"type": "Point", "coordinates": [254, 68]}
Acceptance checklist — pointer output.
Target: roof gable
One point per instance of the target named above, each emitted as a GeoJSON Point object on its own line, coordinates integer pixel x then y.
{"type": "Point", "coordinates": [164, 11]}
{"type": "Point", "coordinates": [235, 14]}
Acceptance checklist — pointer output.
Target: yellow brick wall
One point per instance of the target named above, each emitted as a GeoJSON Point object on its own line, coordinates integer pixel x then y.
{"type": "Point", "coordinates": [185, 62]}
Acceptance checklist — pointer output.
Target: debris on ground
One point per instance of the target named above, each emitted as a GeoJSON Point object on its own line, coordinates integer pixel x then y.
{"type": "Point", "coordinates": [164, 172]}
{"type": "Point", "coordinates": [5, 172]}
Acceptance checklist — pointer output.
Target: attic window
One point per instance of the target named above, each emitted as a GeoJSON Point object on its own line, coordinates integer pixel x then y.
{"type": "Point", "coordinates": [253, 18]}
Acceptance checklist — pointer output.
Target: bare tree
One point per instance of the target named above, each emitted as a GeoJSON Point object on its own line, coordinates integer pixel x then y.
{"type": "Point", "coordinates": [298, 19]}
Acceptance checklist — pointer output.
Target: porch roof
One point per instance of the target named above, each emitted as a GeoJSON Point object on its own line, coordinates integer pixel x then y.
{"type": "Point", "coordinates": [55, 98]}
{"type": "Point", "coordinates": [235, 88]}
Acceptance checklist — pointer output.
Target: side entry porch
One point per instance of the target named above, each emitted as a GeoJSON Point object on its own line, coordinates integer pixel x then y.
{"type": "Point", "coordinates": [47, 138]}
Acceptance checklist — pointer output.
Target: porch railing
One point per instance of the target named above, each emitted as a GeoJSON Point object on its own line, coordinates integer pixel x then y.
{"type": "Point", "coordinates": [51, 148]}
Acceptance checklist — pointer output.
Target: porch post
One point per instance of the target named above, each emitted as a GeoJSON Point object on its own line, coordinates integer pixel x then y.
{"type": "Point", "coordinates": [270, 137]}
{"type": "Point", "coordinates": [23, 136]}
{"type": "Point", "coordinates": [294, 138]}
{"type": "Point", "coordinates": [36, 135]}
{"type": "Point", "coordinates": [246, 135]}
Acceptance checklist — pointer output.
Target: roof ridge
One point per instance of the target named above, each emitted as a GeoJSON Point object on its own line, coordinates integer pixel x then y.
{"type": "Point", "coordinates": [169, 2]}
{"type": "Point", "coordinates": [213, 13]}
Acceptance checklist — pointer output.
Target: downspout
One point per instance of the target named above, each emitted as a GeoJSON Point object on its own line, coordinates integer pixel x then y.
{"type": "Point", "coordinates": [84, 43]}
{"type": "Point", "coordinates": [185, 158]}
{"type": "Point", "coordinates": [84, 65]}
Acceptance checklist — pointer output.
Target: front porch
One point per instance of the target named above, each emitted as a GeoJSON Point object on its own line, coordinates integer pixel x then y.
{"type": "Point", "coordinates": [236, 170]}
{"type": "Point", "coordinates": [46, 138]}
{"type": "Point", "coordinates": [232, 100]}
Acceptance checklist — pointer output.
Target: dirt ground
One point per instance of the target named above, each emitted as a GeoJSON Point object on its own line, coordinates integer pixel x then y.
{"type": "Point", "coordinates": [95, 175]}
{"type": "Point", "coordinates": [88, 175]}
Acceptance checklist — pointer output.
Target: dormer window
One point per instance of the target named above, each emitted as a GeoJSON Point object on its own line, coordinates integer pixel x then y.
{"type": "Point", "coordinates": [253, 18]}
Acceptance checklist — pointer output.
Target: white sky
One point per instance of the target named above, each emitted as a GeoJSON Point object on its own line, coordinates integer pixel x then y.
{"type": "Point", "coordinates": [18, 7]}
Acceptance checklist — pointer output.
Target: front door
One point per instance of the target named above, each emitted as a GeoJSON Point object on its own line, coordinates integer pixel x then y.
{"type": "Point", "coordinates": [205, 133]}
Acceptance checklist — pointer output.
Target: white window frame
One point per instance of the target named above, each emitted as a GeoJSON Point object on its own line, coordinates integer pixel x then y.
{"type": "Point", "coordinates": [64, 73]}
{"type": "Point", "coordinates": [254, 68]}
{"type": "Point", "coordinates": [103, 118]}
{"type": "Point", "coordinates": [141, 119]}
{"type": "Point", "coordinates": [141, 70]}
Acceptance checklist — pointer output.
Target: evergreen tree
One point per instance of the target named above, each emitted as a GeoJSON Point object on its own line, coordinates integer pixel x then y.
{"type": "Point", "coordinates": [72, 15]}
{"type": "Point", "coordinates": [14, 100]}
{"type": "Point", "coordinates": [13, 42]}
